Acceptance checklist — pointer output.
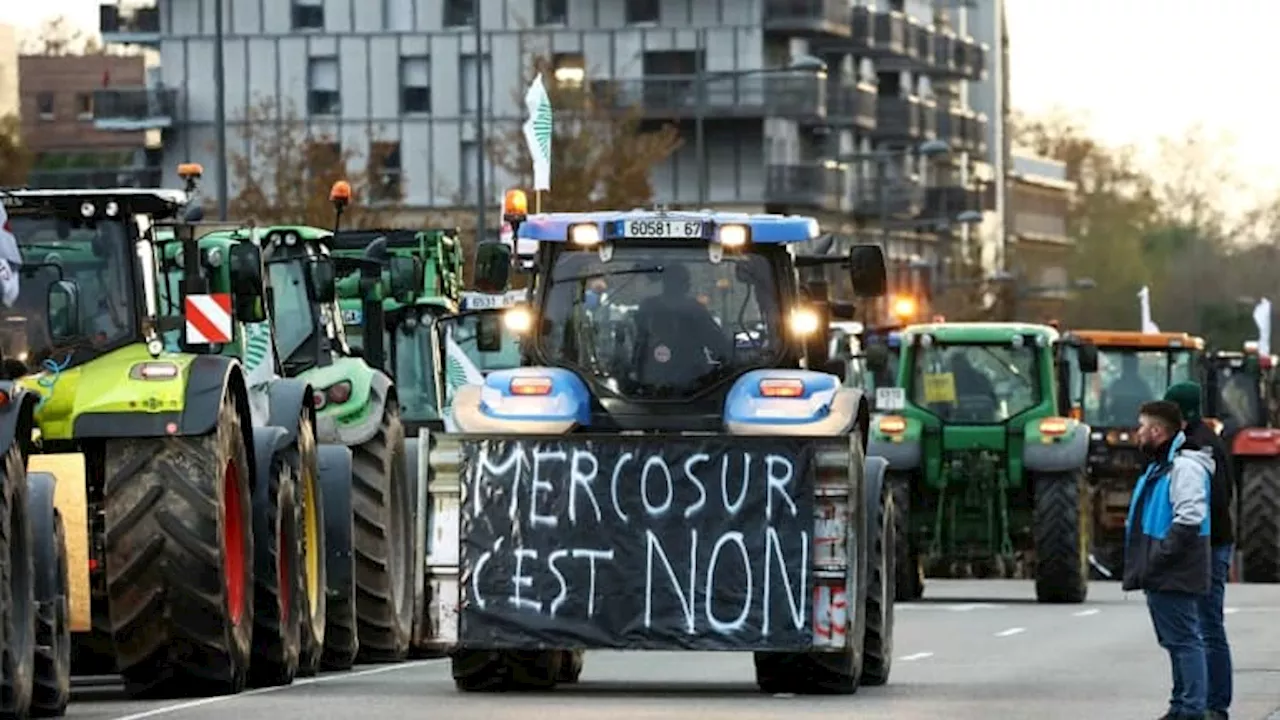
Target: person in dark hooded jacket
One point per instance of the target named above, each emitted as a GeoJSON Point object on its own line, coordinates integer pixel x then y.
{"type": "Point", "coordinates": [1217, 650]}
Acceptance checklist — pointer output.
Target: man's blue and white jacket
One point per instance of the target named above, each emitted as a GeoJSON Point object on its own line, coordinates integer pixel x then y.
{"type": "Point", "coordinates": [1167, 532]}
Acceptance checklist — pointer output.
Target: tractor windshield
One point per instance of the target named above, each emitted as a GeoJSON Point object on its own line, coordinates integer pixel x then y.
{"type": "Point", "coordinates": [976, 383]}
{"type": "Point", "coordinates": [292, 315]}
{"type": "Point", "coordinates": [661, 322]}
{"type": "Point", "coordinates": [1239, 395]}
{"type": "Point", "coordinates": [464, 362]}
{"type": "Point", "coordinates": [1129, 377]}
{"type": "Point", "coordinates": [98, 257]}
{"type": "Point", "coordinates": [414, 367]}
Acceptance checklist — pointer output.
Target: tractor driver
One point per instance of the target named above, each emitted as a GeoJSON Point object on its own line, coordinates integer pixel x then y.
{"type": "Point", "coordinates": [975, 395]}
{"type": "Point", "coordinates": [677, 339]}
{"type": "Point", "coordinates": [1127, 393]}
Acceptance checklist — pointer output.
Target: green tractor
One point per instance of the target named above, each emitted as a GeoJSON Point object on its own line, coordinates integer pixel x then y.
{"type": "Point", "coordinates": [180, 503]}
{"type": "Point", "coordinates": [987, 469]}
{"type": "Point", "coordinates": [357, 406]}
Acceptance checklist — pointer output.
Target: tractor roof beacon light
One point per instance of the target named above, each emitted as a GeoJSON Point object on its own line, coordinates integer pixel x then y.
{"type": "Point", "coordinates": [190, 174]}
{"type": "Point", "coordinates": [515, 207]}
{"type": "Point", "coordinates": [904, 307]}
{"type": "Point", "coordinates": [340, 196]}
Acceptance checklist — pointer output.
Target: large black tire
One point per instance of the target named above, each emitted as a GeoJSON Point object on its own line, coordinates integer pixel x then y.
{"type": "Point", "coordinates": [17, 590]}
{"type": "Point", "coordinates": [383, 542]}
{"type": "Point", "coordinates": [571, 662]}
{"type": "Point", "coordinates": [877, 643]}
{"type": "Point", "coordinates": [908, 573]}
{"type": "Point", "coordinates": [340, 639]}
{"type": "Point", "coordinates": [179, 549]}
{"type": "Point", "coordinates": [1259, 536]}
{"type": "Point", "coordinates": [1061, 536]}
{"type": "Point", "coordinates": [498, 670]}
{"type": "Point", "coordinates": [276, 626]}
{"type": "Point", "coordinates": [312, 574]}
{"type": "Point", "coordinates": [52, 685]}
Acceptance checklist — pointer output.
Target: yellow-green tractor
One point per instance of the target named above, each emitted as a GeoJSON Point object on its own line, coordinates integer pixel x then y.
{"type": "Point", "coordinates": [181, 504]}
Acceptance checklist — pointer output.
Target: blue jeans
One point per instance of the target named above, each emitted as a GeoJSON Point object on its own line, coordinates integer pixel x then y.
{"type": "Point", "coordinates": [1176, 617]}
{"type": "Point", "coordinates": [1217, 653]}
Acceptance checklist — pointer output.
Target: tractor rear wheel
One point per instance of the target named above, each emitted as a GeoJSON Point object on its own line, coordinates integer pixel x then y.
{"type": "Point", "coordinates": [877, 644]}
{"type": "Point", "coordinates": [500, 670]}
{"type": "Point", "coordinates": [1259, 505]}
{"type": "Point", "coordinates": [383, 518]}
{"type": "Point", "coordinates": [340, 639]}
{"type": "Point", "coordinates": [908, 575]}
{"type": "Point", "coordinates": [17, 589]}
{"type": "Point", "coordinates": [311, 574]}
{"type": "Point", "coordinates": [179, 550]}
{"type": "Point", "coordinates": [52, 683]}
{"type": "Point", "coordinates": [276, 627]}
{"type": "Point", "coordinates": [1061, 536]}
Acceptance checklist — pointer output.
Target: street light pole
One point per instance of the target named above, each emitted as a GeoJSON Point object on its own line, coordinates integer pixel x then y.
{"type": "Point", "coordinates": [480, 189]}
{"type": "Point", "coordinates": [700, 119]}
{"type": "Point", "coordinates": [220, 108]}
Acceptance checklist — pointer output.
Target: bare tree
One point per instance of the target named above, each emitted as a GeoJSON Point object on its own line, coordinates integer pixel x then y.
{"type": "Point", "coordinates": [58, 37]}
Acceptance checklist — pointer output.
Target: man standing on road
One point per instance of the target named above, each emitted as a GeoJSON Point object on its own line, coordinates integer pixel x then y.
{"type": "Point", "coordinates": [1167, 549]}
{"type": "Point", "coordinates": [1217, 651]}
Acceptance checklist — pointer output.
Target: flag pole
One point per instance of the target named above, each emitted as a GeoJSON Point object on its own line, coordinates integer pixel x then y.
{"type": "Point", "coordinates": [537, 202]}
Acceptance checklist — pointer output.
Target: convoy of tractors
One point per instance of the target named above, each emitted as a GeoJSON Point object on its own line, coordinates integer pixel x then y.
{"type": "Point", "coordinates": [235, 455]}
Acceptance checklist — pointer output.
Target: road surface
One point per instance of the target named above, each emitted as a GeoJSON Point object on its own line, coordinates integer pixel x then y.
{"type": "Point", "coordinates": [971, 649]}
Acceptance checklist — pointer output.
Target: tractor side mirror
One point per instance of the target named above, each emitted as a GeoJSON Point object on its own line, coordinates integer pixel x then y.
{"type": "Point", "coordinates": [63, 305]}
{"type": "Point", "coordinates": [489, 331]}
{"type": "Point", "coordinates": [1087, 355]}
{"type": "Point", "coordinates": [323, 280]}
{"type": "Point", "coordinates": [493, 267]}
{"type": "Point", "coordinates": [877, 358]}
{"type": "Point", "coordinates": [244, 269]}
{"type": "Point", "coordinates": [406, 276]}
{"type": "Point", "coordinates": [867, 270]}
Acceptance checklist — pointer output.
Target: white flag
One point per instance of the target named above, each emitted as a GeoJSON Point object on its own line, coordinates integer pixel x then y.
{"type": "Point", "coordinates": [537, 132]}
{"type": "Point", "coordinates": [1144, 303]}
{"type": "Point", "coordinates": [1262, 318]}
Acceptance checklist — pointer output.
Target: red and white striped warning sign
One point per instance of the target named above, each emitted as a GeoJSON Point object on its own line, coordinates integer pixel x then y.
{"type": "Point", "coordinates": [208, 318]}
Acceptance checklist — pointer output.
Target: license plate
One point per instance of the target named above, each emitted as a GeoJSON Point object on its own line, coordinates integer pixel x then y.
{"type": "Point", "coordinates": [891, 398]}
{"type": "Point", "coordinates": [677, 229]}
{"type": "Point", "coordinates": [352, 317]}
{"type": "Point", "coordinates": [484, 302]}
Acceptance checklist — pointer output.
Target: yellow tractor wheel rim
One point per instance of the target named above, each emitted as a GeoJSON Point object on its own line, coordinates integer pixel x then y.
{"type": "Point", "coordinates": [310, 518]}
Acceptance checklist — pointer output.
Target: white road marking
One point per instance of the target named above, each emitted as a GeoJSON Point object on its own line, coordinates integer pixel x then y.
{"type": "Point", "coordinates": [1230, 611]}
{"type": "Point", "coordinates": [178, 707]}
{"type": "Point", "coordinates": [1010, 632]}
{"type": "Point", "coordinates": [1087, 613]}
{"type": "Point", "coordinates": [916, 656]}
{"type": "Point", "coordinates": [964, 607]}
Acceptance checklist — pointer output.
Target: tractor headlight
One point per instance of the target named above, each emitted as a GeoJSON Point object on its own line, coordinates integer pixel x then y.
{"type": "Point", "coordinates": [585, 235]}
{"type": "Point", "coordinates": [732, 236]}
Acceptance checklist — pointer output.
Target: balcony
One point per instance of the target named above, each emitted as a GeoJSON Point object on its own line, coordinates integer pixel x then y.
{"type": "Point", "coordinates": [924, 40]}
{"type": "Point", "coordinates": [862, 34]}
{"type": "Point", "coordinates": [973, 133]}
{"type": "Point", "coordinates": [131, 24]}
{"type": "Point", "coordinates": [133, 109]}
{"type": "Point", "coordinates": [951, 126]}
{"type": "Point", "coordinates": [95, 178]}
{"type": "Point", "coordinates": [816, 185]}
{"type": "Point", "coordinates": [891, 34]}
{"type": "Point", "coordinates": [783, 93]}
{"type": "Point", "coordinates": [945, 202]}
{"type": "Point", "coordinates": [897, 118]}
{"type": "Point", "coordinates": [854, 106]}
{"type": "Point", "coordinates": [970, 59]}
{"type": "Point", "coordinates": [928, 119]}
{"type": "Point", "coordinates": [821, 18]}
{"type": "Point", "coordinates": [887, 197]}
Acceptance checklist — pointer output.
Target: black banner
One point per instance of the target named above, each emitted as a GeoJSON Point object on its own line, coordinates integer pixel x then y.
{"type": "Point", "coordinates": [642, 543]}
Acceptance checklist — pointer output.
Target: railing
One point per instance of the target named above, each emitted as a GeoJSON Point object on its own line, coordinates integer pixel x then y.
{"type": "Point", "coordinates": [782, 93]}
{"type": "Point", "coordinates": [944, 52]}
{"type": "Point", "coordinates": [863, 28]}
{"type": "Point", "coordinates": [820, 185]}
{"type": "Point", "coordinates": [891, 30]}
{"type": "Point", "coordinates": [946, 201]}
{"type": "Point", "coordinates": [928, 119]}
{"type": "Point", "coordinates": [139, 20]}
{"type": "Point", "coordinates": [134, 104]}
{"type": "Point", "coordinates": [894, 197]}
{"type": "Point", "coordinates": [806, 12]}
{"type": "Point", "coordinates": [897, 116]}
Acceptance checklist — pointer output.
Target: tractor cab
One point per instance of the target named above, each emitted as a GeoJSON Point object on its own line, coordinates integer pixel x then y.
{"type": "Point", "coordinates": [1133, 368]}
{"type": "Point", "coordinates": [475, 342]}
{"type": "Point", "coordinates": [1241, 390]}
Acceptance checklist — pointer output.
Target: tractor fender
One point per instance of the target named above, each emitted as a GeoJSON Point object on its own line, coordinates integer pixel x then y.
{"type": "Point", "coordinates": [380, 391]}
{"type": "Point", "coordinates": [212, 376]}
{"type": "Point", "coordinates": [1256, 442]}
{"type": "Point", "coordinates": [899, 455]}
{"type": "Point", "coordinates": [16, 417]}
{"type": "Point", "coordinates": [827, 409]}
{"type": "Point", "coordinates": [287, 398]}
{"type": "Point", "coordinates": [334, 463]}
{"type": "Point", "coordinates": [267, 441]}
{"type": "Point", "coordinates": [1043, 453]}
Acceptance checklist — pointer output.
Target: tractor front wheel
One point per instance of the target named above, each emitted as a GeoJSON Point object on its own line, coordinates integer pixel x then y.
{"type": "Point", "coordinates": [179, 548]}
{"type": "Point", "coordinates": [1060, 530]}
{"type": "Point", "coordinates": [908, 573]}
{"type": "Point", "coordinates": [276, 628]}
{"type": "Point", "coordinates": [1259, 523]}
{"type": "Point", "coordinates": [311, 575]}
{"type": "Point", "coordinates": [17, 589]}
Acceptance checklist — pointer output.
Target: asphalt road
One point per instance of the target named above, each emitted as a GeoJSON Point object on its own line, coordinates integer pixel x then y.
{"type": "Point", "coordinates": [972, 649]}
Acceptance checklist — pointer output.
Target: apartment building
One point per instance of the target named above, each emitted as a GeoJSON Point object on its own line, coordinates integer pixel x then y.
{"type": "Point", "coordinates": [772, 129]}
{"type": "Point", "coordinates": [1040, 246]}
{"type": "Point", "coordinates": [73, 124]}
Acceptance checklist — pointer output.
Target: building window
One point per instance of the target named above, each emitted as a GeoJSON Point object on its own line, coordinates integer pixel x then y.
{"type": "Point", "coordinates": [84, 106]}
{"type": "Point", "coordinates": [323, 97]}
{"type": "Point", "coordinates": [384, 156]}
{"type": "Point", "coordinates": [459, 13]}
{"type": "Point", "coordinates": [468, 157]}
{"type": "Point", "coordinates": [642, 11]}
{"type": "Point", "coordinates": [467, 71]}
{"type": "Point", "coordinates": [571, 70]}
{"type": "Point", "coordinates": [551, 12]}
{"type": "Point", "coordinates": [44, 105]}
{"type": "Point", "coordinates": [308, 14]}
{"type": "Point", "coordinates": [415, 85]}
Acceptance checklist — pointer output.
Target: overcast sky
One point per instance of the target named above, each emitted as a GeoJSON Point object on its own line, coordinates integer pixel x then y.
{"type": "Point", "coordinates": [1134, 69]}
